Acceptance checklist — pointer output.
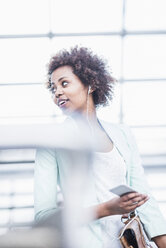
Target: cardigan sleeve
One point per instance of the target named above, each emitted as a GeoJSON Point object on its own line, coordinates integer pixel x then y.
{"type": "Point", "coordinates": [45, 196]}
{"type": "Point", "coordinates": [45, 183]}
{"type": "Point", "coordinates": [150, 214]}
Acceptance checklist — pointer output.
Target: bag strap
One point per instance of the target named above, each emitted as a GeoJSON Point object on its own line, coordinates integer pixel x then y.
{"type": "Point", "coordinates": [126, 219]}
{"type": "Point", "coordinates": [127, 223]}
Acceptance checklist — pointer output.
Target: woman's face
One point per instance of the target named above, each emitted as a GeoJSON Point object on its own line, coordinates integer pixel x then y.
{"type": "Point", "coordinates": [69, 92]}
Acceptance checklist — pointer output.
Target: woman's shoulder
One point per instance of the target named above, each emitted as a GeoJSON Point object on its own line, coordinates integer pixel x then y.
{"type": "Point", "coordinates": [116, 127]}
{"type": "Point", "coordinates": [119, 131]}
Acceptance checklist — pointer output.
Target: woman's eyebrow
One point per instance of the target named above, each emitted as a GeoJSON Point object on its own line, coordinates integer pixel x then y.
{"type": "Point", "coordinates": [61, 78]}
{"type": "Point", "coordinates": [58, 80]}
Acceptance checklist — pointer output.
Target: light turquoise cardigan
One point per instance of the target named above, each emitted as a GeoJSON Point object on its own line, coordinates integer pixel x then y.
{"type": "Point", "coordinates": [51, 169]}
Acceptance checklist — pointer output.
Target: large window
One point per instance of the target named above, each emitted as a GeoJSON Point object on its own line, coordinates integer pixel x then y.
{"type": "Point", "coordinates": [129, 34]}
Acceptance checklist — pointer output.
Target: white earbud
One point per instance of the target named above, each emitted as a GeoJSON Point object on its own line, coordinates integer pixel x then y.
{"type": "Point", "coordinates": [89, 89]}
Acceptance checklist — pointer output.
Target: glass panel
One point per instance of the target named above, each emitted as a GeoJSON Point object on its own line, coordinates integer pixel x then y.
{"type": "Point", "coordinates": [160, 194]}
{"type": "Point", "coordinates": [23, 60]}
{"type": "Point", "coordinates": [145, 15]}
{"type": "Point", "coordinates": [157, 181]}
{"type": "Point", "coordinates": [16, 155]}
{"type": "Point", "coordinates": [5, 201]}
{"type": "Point", "coordinates": [86, 16]}
{"type": "Point", "coordinates": [143, 103]}
{"type": "Point", "coordinates": [22, 16]}
{"type": "Point", "coordinates": [5, 215]}
{"type": "Point", "coordinates": [144, 57]}
{"type": "Point", "coordinates": [5, 186]}
{"type": "Point", "coordinates": [22, 215]}
{"type": "Point", "coordinates": [22, 200]}
{"type": "Point", "coordinates": [151, 141]}
{"type": "Point", "coordinates": [26, 100]}
{"type": "Point", "coordinates": [22, 185]}
{"type": "Point", "coordinates": [111, 113]}
{"type": "Point", "coordinates": [105, 46]}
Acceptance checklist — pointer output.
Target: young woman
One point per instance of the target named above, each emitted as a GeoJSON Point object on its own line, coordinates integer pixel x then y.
{"type": "Point", "coordinates": [80, 82]}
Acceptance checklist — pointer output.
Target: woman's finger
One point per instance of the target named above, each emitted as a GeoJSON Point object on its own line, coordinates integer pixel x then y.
{"type": "Point", "coordinates": [142, 202]}
{"type": "Point", "coordinates": [138, 199]}
{"type": "Point", "coordinates": [136, 204]}
{"type": "Point", "coordinates": [129, 196]}
{"type": "Point", "coordinates": [132, 197]}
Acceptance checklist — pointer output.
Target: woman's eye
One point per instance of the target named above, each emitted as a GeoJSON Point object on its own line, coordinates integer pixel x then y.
{"type": "Point", "coordinates": [64, 83]}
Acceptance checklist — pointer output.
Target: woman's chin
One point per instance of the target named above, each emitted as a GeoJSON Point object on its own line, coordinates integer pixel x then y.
{"type": "Point", "coordinates": [67, 111]}
{"type": "Point", "coordinates": [71, 112]}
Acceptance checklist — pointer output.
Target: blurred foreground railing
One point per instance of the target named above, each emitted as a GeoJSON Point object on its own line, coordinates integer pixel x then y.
{"type": "Point", "coordinates": [64, 225]}
{"type": "Point", "coordinates": [17, 166]}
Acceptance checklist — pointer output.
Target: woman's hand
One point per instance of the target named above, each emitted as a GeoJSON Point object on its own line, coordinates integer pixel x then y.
{"type": "Point", "coordinates": [121, 205]}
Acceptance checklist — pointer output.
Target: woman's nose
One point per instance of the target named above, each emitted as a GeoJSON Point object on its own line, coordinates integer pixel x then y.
{"type": "Point", "coordinates": [58, 92]}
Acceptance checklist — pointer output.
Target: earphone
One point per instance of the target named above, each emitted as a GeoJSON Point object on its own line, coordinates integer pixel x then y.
{"type": "Point", "coordinates": [89, 89]}
{"type": "Point", "coordinates": [87, 110]}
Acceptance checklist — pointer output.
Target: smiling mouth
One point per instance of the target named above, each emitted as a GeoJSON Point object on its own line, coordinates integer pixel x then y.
{"type": "Point", "coordinates": [62, 103]}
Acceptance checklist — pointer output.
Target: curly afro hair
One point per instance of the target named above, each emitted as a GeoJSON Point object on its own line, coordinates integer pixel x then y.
{"type": "Point", "coordinates": [89, 68]}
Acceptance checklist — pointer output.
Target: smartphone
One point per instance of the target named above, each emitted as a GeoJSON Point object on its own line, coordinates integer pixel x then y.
{"type": "Point", "coordinates": [122, 190]}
